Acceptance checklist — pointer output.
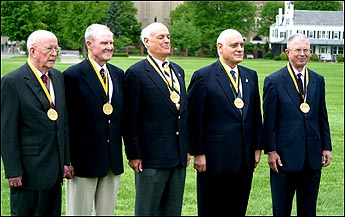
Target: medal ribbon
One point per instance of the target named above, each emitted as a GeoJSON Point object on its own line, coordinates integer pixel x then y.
{"type": "Point", "coordinates": [45, 89]}
{"type": "Point", "coordinates": [295, 82]}
{"type": "Point", "coordinates": [160, 73]}
{"type": "Point", "coordinates": [106, 85]}
{"type": "Point", "coordinates": [234, 83]}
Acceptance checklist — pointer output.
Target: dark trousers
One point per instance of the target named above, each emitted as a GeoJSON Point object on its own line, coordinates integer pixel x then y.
{"type": "Point", "coordinates": [284, 185]}
{"type": "Point", "coordinates": [159, 192]}
{"type": "Point", "coordinates": [36, 202]}
{"type": "Point", "coordinates": [223, 194]}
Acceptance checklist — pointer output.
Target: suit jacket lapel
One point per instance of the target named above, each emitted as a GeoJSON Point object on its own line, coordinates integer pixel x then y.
{"type": "Point", "coordinates": [36, 88]}
{"type": "Point", "coordinates": [158, 81]}
{"type": "Point", "coordinates": [290, 87]}
{"type": "Point", "coordinates": [116, 91]}
{"type": "Point", "coordinates": [246, 81]}
{"type": "Point", "coordinates": [311, 87]}
{"type": "Point", "coordinates": [57, 89]}
{"type": "Point", "coordinates": [224, 82]}
{"type": "Point", "coordinates": [93, 81]}
{"type": "Point", "coordinates": [183, 100]}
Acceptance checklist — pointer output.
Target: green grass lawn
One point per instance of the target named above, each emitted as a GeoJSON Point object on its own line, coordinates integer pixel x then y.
{"type": "Point", "coordinates": [331, 194]}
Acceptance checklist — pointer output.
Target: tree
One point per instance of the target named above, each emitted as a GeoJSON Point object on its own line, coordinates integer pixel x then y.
{"type": "Point", "coordinates": [75, 17]}
{"type": "Point", "coordinates": [122, 22]}
{"type": "Point", "coordinates": [268, 16]}
{"type": "Point", "coordinates": [212, 17]}
{"type": "Point", "coordinates": [18, 19]}
{"type": "Point", "coordinates": [185, 36]}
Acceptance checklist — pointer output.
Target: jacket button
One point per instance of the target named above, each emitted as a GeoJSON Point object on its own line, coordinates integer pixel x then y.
{"type": "Point", "coordinates": [177, 133]}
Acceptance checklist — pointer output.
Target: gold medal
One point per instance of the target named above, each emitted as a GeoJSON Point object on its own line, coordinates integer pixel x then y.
{"type": "Point", "coordinates": [174, 97]}
{"type": "Point", "coordinates": [304, 107]}
{"type": "Point", "coordinates": [239, 103]}
{"type": "Point", "coordinates": [52, 114]}
{"type": "Point", "coordinates": [107, 108]}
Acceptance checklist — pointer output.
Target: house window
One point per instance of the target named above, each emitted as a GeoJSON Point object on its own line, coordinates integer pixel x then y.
{"type": "Point", "coordinates": [311, 34]}
{"type": "Point", "coordinates": [335, 35]}
{"type": "Point", "coordinates": [323, 34]}
{"type": "Point", "coordinates": [282, 35]}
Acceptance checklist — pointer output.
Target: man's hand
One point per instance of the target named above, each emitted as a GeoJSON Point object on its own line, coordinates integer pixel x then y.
{"type": "Point", "coordinates": [273, 160]}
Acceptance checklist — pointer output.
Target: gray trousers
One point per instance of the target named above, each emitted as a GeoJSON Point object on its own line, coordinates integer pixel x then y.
{"type": "Point", "coordinates": [159, 191]}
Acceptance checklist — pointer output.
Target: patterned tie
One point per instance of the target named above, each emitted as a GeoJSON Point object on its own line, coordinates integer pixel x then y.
{"type": "Point", "coordinates": [102, 74]}
{"type": "Point", "coordinates": [44, 78]}
{"type": "Point", "coordinates": [167, 72]}
{"type": "Point", "coordinates": [300, 84]}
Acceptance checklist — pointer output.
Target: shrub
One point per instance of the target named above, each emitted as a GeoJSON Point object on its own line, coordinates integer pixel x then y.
{"type": "Point", "coordinates": [277, 57]}
{"type": "Point", "coordinates": [340, 57]}
{"type": "Point", "coordinates": [269, 55]}
{"type": "Point", "coordinates": [120, 55]}
{"type": "Point", "coordinates": [283, 56]}
{"type": "Point", "coordinates": [314, 57]}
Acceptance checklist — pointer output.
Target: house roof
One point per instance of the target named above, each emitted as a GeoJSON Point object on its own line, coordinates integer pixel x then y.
{"type": "Point", "coordinates": [319, 18]}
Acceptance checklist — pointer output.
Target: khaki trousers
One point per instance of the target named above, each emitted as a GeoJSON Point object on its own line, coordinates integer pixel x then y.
{"type": "Point", "coordinates": [92, 196]}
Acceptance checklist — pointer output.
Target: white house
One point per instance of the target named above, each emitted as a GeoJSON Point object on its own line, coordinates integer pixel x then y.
{"type": "Point", "coordinates": [325, 30]}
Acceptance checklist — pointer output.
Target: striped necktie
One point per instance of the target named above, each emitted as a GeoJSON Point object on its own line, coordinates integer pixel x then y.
{"type": "Point", "coordinates": [44, 78]}
{"type": "Point", "coordinates": [167, 72]}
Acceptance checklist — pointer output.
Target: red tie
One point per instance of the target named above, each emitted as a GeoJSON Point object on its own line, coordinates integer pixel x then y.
{"type": "Point", "coordinates": [45, 80]}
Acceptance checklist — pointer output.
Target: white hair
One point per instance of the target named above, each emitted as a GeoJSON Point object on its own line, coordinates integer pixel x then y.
{"type": "Point", "coordinates": [296, 36]}
{"type": "Point", "coordinates": [146, 32]}
{"type": "Point", "coordinates": [36, 37]}
{"type": "Point", "coordinates": [94, 29]}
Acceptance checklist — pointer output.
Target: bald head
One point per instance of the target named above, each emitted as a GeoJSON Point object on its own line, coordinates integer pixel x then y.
{"type": "Point", "coordinates": [223, 36]}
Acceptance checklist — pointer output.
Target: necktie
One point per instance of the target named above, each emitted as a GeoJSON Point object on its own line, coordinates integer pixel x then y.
{"type": "Point", "coordinates": [44, 78]}
{"type": "Point", "coordinates": [102, 74]}
{"type": "Point", "coordinates": [167, 72]}
{"type": "Point", "coordinates": [300, 84]}
{"type": "Point", "coordinates": [233, 73]}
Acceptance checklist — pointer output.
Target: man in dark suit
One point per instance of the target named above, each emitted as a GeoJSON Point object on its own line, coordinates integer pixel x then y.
{"type": "Point", "coordinates": [34, 137]}
{"type": "Point", "coordinates": [94, 103]}
{"type": "Point", "coordinates": [225, 127]}
{"type": "Point", "coordinates": [297, 134]}
{"type": "Point", "coordinates": [155, 132]}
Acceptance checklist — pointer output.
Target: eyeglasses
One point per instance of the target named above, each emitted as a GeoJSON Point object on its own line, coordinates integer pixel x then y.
{"type": "Point", "coordinates": [51, 49]}
{"type": "Point", "coordinates": [299, 51]}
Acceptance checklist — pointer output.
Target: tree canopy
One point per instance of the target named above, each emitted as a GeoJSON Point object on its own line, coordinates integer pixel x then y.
{"type": "Point", "coordinates": [68, 20]}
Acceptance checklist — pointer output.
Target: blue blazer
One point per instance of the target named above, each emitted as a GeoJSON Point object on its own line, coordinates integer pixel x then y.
{"type": "Point", "coordinates": [217, 128]}
{"type": "Point", "coordinates": [32, 145]}
{"type": "Point", "coordinates": [155, 130]}
{"type": "Point", "coordinates": [288, 131]}
{"type": "Point", "coordinates": [95, 138]}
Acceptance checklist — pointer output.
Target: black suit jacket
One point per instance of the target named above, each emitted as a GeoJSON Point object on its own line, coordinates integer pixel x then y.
{"type": "Point", "coordinates": [155, 130]}
{"type": "Point", "coordinates": [290, 132]}
{"type": "Point", "coordinates": [217, 129]}
{"type": "Point", "coordinates": [32, 145]}
{"type": "Point", "coordinates": [95, 138]}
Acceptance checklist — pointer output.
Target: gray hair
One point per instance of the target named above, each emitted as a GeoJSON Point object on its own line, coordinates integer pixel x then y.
{"type": "Point", "coordinates": [36, 37]}
{"type": "Point", "coordinates": [146, 32]}
{"type": "Point", "coordinates": [296, 36]}
{"type": "Point", "coordinates": [94, 29]}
